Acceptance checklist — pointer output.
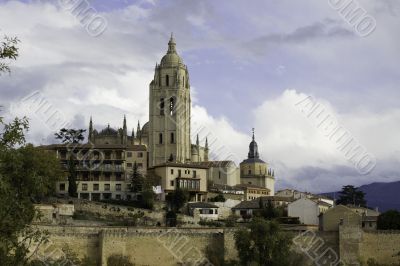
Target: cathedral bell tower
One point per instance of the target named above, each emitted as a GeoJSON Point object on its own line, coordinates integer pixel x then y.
{"type": "Point", "coordinates": [170, 106]}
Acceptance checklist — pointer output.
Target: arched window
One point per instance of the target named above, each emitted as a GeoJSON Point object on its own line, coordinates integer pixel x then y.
{"type": "Point", "coordinates": [183, 81]}
{"type": "Point", "coordinates": [166, 80]}
{"type": "Point", "coordinates": [160, 138]}
{"type": "Point", "coordinates": [172, 137]}
{"type": "Point", "coordinates": [162, 106]}
{"type": "Point", "coordinates": [171, 105]}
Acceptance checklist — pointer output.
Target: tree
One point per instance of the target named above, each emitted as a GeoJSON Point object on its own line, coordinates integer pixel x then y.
{"type": "Point", "coordinates": [219, 198]}
{"type": "Point", "coordinates": [177, 199]}
{"type": "Point", "coordinates": [389, 220]}
{"type": "Point", "coordinates": [8, 51]}
{"type": "Point", "coordinates": [263, 243]}
{"type": "Point", "coordinates": [351, 196]}
{"type": "Point", "coordinates": [27, 174]}
{"type": "Point", "coordinates": [71, 137]}
{"type": "Point", "coordinates": [136, 179]}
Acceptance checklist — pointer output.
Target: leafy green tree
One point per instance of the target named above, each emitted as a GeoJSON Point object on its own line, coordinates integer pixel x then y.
{"type": "Point", "coordinates": [8, 51]}
{"type": "Point", "coordinates": [351, 195]}
{"type": "Point", "coordinates": [177, 199]}
{"type": "Point", "coordinates": [263, 243]}
{"type": "Point", "coordinates": [71, 137]}
{"type": "Point", "coordinates": [27, 174]}
{"type": "Point", "coordinates": [215, 252]}
{"type": "Point", "coordinates": [389, 220]}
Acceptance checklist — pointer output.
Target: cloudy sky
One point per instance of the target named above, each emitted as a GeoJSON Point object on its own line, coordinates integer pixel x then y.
{"type": "Point", "coordinates": [250, 63]}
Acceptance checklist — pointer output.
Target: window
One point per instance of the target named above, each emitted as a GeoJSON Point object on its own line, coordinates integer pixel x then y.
{"type": "Point", "coordinates": [172, 171]}
{"type": "Point", "coordinates": [85, 176]}
{"type": "Point", "coordinates": [162, 106]}
{"type": "Point", "coordinates": [129, 154]}
{"type": "Point", "coordinates": [160, 138]}
{"type": "Point", "coordinates": [84, 187]}
{"type": "Point", "coordinates": [171, 105]}
{"type": "Point", "coordinates": [194, 174]}
{"type": "Point", "coordinates": [249, 172]}
{"type": "Point", "coordinates": [62, 187]}
{"type": "Point", "coordinates": [179, 173]}
{"type": "Point", "coordinates": [129, 165]}
{"type": "Point", "coordinates": [172, 137]}
{"type": "Point", "coordinates": [183, 81]}
{"type": "Point", "coordinates": [118, 177]}
{"type": "Point", "coordinates": [118, 167]}
{"type": "Point", "coordinates": [95, 187]}
{"type": "Point", "coordinates": [140, 154]}
{"type": "Point", "coordinates": [118, 196]}
{"type": "Point", "coordinates": [118, 187]}
{"type": "Point", "coordinates": [171, 183]}
{"type": "Point", "coordinates": [96, 177]}
{"type": "Point", "coordinates": [166, 80]}
{"type": "Point", "coordinates": [107, 187]}
{"type": "Point", "coordinates": [107, 176]}
{"type": "Point", "coordinates": [108, 155]}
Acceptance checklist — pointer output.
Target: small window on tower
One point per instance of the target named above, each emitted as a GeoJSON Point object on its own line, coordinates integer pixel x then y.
{"type": "Point", "coordinates": [162, 106]}
{"type": "Point", "coordinates": [183, 81]}
{"type": "Point", "coordinates": [166, 80]}
{"type": "Point", "coordinates": [160, 138]}
{"type": "Point", "coordinates": [172, 137]}
{"type": "Point", "coordinates": [171, 105]}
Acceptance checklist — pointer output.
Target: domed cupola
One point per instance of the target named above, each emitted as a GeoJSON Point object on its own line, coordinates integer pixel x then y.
{"type": "Point", "coordinates": [171, 58]}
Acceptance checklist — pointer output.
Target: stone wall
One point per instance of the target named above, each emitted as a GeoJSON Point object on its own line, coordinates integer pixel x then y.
{"type": "Point", "coordinates": [144, 246]}
{"type": "Point", "coordinates": [358, 246]}
{"type": "Point", "coordinates": [383, 246]}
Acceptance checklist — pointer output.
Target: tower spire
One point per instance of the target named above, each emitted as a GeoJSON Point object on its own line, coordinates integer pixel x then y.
{"type": "Point", "coordinates": [172, 45]}
{"type": "Point", "coordinates": [90, 137]}
{"type": "Point", "coordinates": [197, 140]}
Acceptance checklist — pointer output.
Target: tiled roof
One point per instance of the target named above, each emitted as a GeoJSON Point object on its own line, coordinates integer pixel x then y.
{"type": "Point", "coordinates": [251, 186]}
{"type": "Point", "coordinates": [254, 204]}
{"type": "Point", "coordinates": [201, 205]}
{"type": "Point", "coordinates": [217, 163]}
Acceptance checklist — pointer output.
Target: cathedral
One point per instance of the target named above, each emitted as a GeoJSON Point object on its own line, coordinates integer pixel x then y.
{"type": "Point", "coordinates": [163, 146]}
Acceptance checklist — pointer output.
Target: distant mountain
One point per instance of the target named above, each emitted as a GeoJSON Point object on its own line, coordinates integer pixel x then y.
{"type": "Point", "coordinates": [385, 196]}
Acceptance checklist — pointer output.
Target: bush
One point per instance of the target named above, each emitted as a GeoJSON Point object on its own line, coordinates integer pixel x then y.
{"type": "Point", "coordinates": [219, 198]}
{"type": "Point", "coordinates": [119, 260]}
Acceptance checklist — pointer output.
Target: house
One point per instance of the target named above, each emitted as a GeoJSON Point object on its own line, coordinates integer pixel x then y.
{"type": "Point", "coordinates": [190, 177]}
{"type": "Point", "coordinates": [307, 210]}
{"type": "Point", "coordinates": [222, 172]}
{"type": "Point", "coordinates": [252, 192]}
{"type": "Point", "coordinates": [54, 213]}
{"type": "Point", "coordinates": [225, 208]}
{"type": "Point", "coordinates": [246, 209]}
{"type": "Point", "coordinates": [203, 210]}
{"type": "Point", "coordinates": [347, 215]}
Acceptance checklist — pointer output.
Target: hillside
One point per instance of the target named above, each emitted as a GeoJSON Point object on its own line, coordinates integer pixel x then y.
{"type": "Point", "coordinates": [385, 196]}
